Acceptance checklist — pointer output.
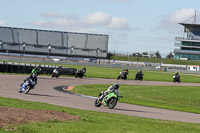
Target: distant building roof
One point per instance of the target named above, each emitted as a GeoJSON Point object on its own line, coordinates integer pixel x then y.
{"type": "Point", "coordinates": [190, 25]}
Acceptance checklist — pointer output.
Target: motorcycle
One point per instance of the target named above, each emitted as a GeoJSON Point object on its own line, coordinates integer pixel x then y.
{"type": "Point", "coordinates": [26, 86]}
{"type": "Point", "coordinates": [139, 77]}
{"type": "Point", "coordinates": [122, 75]}
{"type": "Point", "coordinates": [79, 73]}
{"type": "Point", "coordinates": [56, 73]}
{"type": "Point", "coordinates": [176, 79]}
{"type": "Point", "coordinates": [110, 100]}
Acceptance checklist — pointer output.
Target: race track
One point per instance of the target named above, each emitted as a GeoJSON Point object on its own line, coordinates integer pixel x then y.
{"type": "Point", "coordinates": [44, 92]}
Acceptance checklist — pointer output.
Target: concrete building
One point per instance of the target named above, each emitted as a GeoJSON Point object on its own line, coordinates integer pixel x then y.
{"type": "Point", "coordinates": [52, 43]}
{"type": "Point", "coordinates": [189, 44]}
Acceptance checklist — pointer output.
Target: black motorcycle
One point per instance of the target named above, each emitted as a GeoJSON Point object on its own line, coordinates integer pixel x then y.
{"type": "Point", "coordinates": [79, 73]}
{"type": "Point", "coordinates": [139, 76]}
{"type": "Point", "coordinates": [122, 75]}
{"type": "Point", "coordinates": [176, 79]}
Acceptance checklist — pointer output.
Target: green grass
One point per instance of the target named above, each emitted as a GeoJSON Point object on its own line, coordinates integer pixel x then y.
{"type": "Point", "coordinates": [112, 73]}
{"type": "Point", "coordinates": [93, 122]}
{"type": "Point", "coordinates": [157, 60]}
{"type": "Point", "coordinates": [168, 97]}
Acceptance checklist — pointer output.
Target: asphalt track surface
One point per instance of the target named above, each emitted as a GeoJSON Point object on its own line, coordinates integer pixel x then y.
{"type": "Point", "coordinates": [45, 92]}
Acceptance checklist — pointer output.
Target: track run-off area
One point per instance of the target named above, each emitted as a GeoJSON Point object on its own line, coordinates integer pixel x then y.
{"type": "Point", "coordinates": [44, 92]}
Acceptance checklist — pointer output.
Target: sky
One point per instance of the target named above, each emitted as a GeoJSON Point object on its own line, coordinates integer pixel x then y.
{"type": "Point", "coordinates": [132, 25]}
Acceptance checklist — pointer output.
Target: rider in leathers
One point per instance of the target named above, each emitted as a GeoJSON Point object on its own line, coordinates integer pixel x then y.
{"type": "Point", "coordinates": [112, 88]}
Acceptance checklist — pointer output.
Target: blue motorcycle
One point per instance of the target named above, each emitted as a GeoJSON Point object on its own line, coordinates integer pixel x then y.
{"type": "Point", "coordinates": [26, 86]}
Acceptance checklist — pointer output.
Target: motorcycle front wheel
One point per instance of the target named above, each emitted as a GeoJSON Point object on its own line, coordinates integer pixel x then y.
{"type": "Point", "coordinates": [112, 103]}
{"type": "Point", "coordinates": [27, 89]}
{"type": "Point", "coordinates": [97, 103]}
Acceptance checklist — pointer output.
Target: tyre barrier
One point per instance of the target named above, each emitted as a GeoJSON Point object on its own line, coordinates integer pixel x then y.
{"type": "Point", "coordinates": [11, 67]}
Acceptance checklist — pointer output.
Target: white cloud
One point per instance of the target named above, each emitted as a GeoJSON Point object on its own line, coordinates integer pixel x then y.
{"type": "Point", "coordinates": [96, 20]}
{"type": "Point", "coordinates": [2, 23]}
{"type": "Point", "coordinates": [180, 15]}
{"type": "Point", "coordinates": [119, 23]}
{"type": "Point", "coordinates": [170, 22]}
{"type": "Point", "coordinates": [52, 14]}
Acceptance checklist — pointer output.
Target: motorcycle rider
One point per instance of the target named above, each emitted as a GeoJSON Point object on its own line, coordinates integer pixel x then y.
{"type": "Point", "coordinates": [126, 71]}
{"type": "Point", "coordinates": [176, 74]}
{"type": "Point", "coordinates": [36, 70]}
{"type": "Point", "coordinates": [59, 69]}
{"type": "Point", "coordinates": [32, 78]}
{"type": "Point", "coordinates": [83, 70]}
{"type": "Point", "coordinates": [114, 87]}
{"type": "Point", "coordinates": [139, 73]}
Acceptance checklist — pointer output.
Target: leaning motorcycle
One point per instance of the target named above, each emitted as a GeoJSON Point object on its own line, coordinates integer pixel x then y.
{"type": "Point", "coordinates": [139, 77]}
{"type": "Point", "coordinates": [122, 75]}
{"type": "Point", "coordinates": [110, 100]}
{"type": "Point", "coordinates": [26, 87]}
{"type": "Point", "coordinates": [55, 73]}
{"type": "Point", "coordinates": [79, 74]}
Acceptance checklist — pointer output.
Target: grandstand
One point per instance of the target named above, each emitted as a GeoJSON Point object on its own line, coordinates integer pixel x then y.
{"type": "Point", "coordinates": [189, 44]}
{"type": "Point", "coordinates": [53, 43]}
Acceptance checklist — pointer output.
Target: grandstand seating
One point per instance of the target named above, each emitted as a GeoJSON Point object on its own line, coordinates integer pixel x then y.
{"type": "Point", "coordinates": [6, 35]}
{"type": "Point", "coordinates": [37, 41]}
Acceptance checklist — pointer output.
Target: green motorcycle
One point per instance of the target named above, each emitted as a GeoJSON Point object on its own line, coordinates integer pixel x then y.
{"type": "Point", "coordinates": [110, 100]}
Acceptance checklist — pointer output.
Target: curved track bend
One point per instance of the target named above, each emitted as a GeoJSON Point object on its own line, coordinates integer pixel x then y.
{"type": "Point", "coordinates": [44, 92]}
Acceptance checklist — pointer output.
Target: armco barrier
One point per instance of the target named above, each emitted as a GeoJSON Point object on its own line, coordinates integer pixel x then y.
{"type": "Point", "coordinates": [8, 67]}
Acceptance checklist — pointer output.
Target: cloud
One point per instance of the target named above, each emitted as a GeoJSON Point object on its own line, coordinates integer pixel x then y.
{"type": "Point", "coordinates": [96, 20]}
{"type": "Point", "coordinates": [52, 15]}
{"type": "Point", "coordinates": [119, 23]}
{"type": "Point", "coordinates": [179, 16]}
{"type": "Point", "coordinates": [170, 22]}
{"type": "Point", "coordinates": [2, 23]}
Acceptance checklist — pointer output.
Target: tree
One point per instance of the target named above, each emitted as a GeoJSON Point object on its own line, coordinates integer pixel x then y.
{"type": "Point", "coordinates": [144, 53]}
{"type": "Point", "coordinates": [170, 56]}
{"type": "Point", "coordinates": [158, 55]}
{"type": "Point", "coordinates": [138, 54]}
{"type": "Point", "coordinates": [134, 54]}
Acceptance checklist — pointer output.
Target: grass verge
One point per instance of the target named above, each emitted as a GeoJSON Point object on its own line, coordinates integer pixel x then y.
{"type": "Point", "coordinates": [113, 73]}
{"type": "Point", "coordinates": [168, 97]}
{"type": "Point", "coordinates": [93, 122]}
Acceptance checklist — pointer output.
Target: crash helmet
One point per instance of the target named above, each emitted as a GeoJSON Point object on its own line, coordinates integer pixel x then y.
{"type": "Point", "coordinates": [116, 85]}
{"type": "Point", "coordinates": [60, 66]}
{"type": "Point", "coordinates": [84, 68]}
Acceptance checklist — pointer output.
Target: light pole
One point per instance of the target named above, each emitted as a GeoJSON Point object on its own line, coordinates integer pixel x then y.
{"type": "Point", "coordinates": [1, 43]}
{"type": "Point", "coordinates": [49, 50]}
{"type": "Point", "coordinates": [24, 47]}
{"type": "Point", "coordinates": [97, 51]}
{"type": "Point", "coordinates": [72, 49]}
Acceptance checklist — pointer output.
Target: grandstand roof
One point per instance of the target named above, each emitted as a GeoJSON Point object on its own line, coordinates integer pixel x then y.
{"type": "Point", "coordinates": [52, 31]}
{"type": "Point", "coordinates": [190, 25]}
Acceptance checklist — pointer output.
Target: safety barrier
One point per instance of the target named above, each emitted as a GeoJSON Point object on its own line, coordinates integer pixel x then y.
{"type": "Point", "coordinates": [11, 67]}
